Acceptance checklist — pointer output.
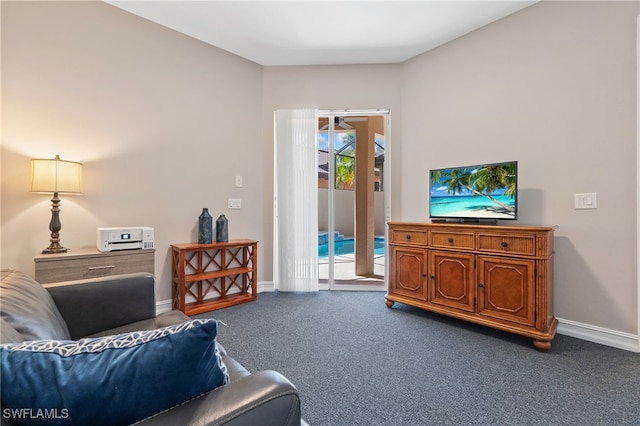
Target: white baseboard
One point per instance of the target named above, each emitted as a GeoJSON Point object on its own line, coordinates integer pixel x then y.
{"type": "Point", "coordinates": [163, 306]}
{"type": "Point", "coordinates": [603, 336]}
{"type": "Point", "coordinates": [266, 286]}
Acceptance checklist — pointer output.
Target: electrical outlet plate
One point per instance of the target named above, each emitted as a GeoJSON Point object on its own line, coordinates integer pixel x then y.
{"type": "Point", "coordinates": [234, 203]}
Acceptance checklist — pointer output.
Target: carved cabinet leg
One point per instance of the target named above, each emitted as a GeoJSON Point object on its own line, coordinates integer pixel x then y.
{"type": "Point", "coordinates": [542, 345]}
{"type": "Point", "coordinates": [389, 303]}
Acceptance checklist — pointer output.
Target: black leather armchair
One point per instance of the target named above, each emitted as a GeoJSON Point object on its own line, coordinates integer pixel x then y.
{"type": "Point", "coordinates": [120, 304]}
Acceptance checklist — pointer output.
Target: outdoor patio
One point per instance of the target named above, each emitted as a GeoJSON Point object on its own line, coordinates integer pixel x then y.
{"type": "Point", "coordinates": [344, 269]}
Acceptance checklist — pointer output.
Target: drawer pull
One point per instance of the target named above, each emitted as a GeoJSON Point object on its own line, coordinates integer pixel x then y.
{"type": "Point", "coordinates": [93, 268]}
{"type": "Point", "coordinates": [408, 236]}
{"type": "Point", "coordinates": [504, 244]}
{"type": "Point", "coordinates": [450, 240]}
{"type": "Point", "coordinates": [433, 277]}
{"type": "Point", "coordinates": [481, 285]}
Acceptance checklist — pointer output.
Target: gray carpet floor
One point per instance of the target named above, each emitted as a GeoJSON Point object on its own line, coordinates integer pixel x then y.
{"type": "Point", "coordinates": [357, 362]}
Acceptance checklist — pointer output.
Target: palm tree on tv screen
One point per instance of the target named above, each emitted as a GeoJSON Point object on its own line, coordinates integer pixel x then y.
{"type": "Point", "coordinates": [483, 181]}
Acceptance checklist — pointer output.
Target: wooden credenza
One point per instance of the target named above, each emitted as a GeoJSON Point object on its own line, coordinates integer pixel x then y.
{"type": "Point", "coordinates": [497, 276]}
{"type": "Point", "coordinates": [91, 263]}
{"type": "Point", "coordinates": [213, 276]}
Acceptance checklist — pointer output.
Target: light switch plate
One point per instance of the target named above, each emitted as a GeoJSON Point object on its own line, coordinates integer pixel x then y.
{"type": "Point", "coordinates": [585, 201]}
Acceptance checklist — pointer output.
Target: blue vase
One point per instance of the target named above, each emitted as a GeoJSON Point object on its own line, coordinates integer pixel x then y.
{"type": "Point", "coordinates": [222, 229]}
{"type": "Point", "coordinates": [205, 227]}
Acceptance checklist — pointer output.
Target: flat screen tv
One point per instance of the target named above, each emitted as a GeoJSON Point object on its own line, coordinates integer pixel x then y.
{"type": "Point", "coordinates": [482, 193]}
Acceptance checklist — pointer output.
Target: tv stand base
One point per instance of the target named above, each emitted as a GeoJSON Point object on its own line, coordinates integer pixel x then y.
{"type": "Point", "coordinates": [467, 221]}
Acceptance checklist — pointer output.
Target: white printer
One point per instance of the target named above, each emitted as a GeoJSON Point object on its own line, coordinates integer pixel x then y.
{"type": "Point", "coordinates": [137, 237]}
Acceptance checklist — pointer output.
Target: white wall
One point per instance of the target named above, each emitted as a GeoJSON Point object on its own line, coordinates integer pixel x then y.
{"type": "Point", "coordinates": [554, 88]}
{"type": "Point", "coordinates": [162, 123]}
{"type": "Point", "coordinates": [326, 88]}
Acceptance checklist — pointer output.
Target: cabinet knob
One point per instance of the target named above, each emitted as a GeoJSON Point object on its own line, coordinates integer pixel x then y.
{"type": "Point", "coordinates": [504, 244]}
{"type": "Point", "coordinates": [408, 237]}
{"type": "Point", "coordinates": [450, 240]}
{"type": "Point", "coordinates": [433, 277]}
{"type": "Point", "coordinates": [424, 275]}
{"type": "Point", "coordinates": [481, 285]}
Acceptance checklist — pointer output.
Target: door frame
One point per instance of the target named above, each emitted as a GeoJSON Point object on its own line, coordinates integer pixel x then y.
{"type": "Point", "coordinates": [386, 184]}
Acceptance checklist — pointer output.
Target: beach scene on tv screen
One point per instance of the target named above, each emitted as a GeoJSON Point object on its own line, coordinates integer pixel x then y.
{"type": "Point", "coordinates": [483, 192]}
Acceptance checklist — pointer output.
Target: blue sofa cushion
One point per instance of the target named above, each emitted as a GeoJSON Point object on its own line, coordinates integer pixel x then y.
{"type": "Point", "coordinates": [112, 380]}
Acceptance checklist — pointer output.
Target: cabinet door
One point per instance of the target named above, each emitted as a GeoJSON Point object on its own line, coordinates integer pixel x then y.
{"type": "Point", "coordinates": [409, 272]}
{"type": "Point", "coordinates": [452, 280]}
{"type": "Point", "coordinates": [506, 289]}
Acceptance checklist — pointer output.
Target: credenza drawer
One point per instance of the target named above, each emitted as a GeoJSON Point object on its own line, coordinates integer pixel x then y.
{"type": "Point", "coordinates": [408, 236]}
{"type": "Point", "coordinates": [525, 245]}
{"type": "Point", "coordinates": [452, 240]}
{"type": "Point", "coordinates": [85, 264]}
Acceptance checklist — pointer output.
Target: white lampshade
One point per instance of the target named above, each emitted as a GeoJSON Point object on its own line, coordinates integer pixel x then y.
{"type": "Point", "coordinates": [56, 175]}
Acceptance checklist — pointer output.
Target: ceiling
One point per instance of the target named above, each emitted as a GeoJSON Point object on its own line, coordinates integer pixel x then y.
{"type": "Point", "coordinates": [324, 32]}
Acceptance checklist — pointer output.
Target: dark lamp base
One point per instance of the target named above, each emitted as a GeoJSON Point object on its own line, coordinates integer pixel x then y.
{"type": "Point", "coordinates": [50, 250]}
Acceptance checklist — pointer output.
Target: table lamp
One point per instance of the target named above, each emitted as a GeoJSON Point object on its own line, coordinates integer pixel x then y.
{"type": "Point", "coordinates": [58, 177]}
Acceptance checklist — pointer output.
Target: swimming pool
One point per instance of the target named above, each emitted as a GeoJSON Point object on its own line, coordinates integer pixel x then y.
{"type": "Point", "coordinates": [346, 246]}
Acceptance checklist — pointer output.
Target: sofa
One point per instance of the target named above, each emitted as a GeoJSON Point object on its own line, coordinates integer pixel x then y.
{"type": "Point", "coordinates": [95, 352]}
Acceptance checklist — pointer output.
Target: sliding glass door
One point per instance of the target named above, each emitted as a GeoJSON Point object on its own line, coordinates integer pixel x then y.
{"type": "Point", "coordinates": [352, 204]}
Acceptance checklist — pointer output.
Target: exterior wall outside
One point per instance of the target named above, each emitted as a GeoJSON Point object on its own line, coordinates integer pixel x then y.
{"type": "Point", "coordinates": [344, 216]}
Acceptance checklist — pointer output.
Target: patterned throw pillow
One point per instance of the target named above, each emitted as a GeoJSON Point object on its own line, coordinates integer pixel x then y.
{"type": "Point", "coordinates": [112, 380]}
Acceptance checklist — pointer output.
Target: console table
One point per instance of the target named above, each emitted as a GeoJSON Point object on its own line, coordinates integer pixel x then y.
{"type": "Point", "coordinates": [91, 263]}
{"type": "Point", "coordinates": [497, 276]}
{"type": "Point", "coordinates": [213, 276]}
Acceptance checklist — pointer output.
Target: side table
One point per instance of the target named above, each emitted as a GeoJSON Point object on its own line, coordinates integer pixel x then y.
{"type": "Point", "coordinates": [213, 276]}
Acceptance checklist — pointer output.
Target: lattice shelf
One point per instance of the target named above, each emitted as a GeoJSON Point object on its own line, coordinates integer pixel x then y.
{"type": "Point", "coordinates": [213, 276]}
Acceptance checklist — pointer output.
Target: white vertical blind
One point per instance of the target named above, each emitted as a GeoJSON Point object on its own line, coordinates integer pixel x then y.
{"type": "Point", "coordinates": [296, 200]}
